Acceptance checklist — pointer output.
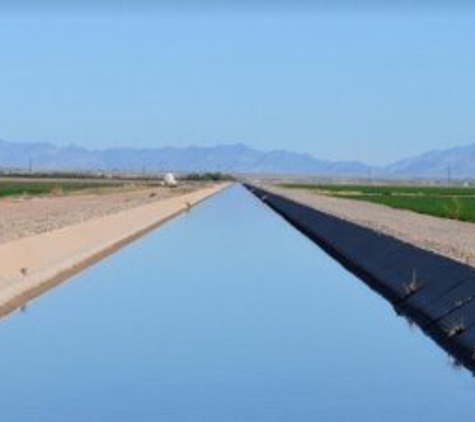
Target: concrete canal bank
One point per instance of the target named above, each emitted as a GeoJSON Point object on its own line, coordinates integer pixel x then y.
{"type": "Point", "coordinates": [31, 265]}
{"type": "Point", "coordinates": [434, 291]}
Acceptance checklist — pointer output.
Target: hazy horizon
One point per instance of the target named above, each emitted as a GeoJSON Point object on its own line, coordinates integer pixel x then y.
{"type": "Point", "coordinates": [235, 144]}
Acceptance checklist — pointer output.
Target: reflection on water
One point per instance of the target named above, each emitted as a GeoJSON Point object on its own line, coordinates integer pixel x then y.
{"type": "Point", "coordinates": [225, 314]}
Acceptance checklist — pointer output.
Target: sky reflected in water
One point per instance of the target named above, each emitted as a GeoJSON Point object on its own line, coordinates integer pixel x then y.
{"type": "Point", "coordinates": [225, 314]}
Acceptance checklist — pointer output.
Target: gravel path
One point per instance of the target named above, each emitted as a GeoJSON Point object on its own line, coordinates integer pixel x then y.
{"type": "Point", "coordinates": [22, 217]}
{"type": "Point", "coordinates": [451, 238]}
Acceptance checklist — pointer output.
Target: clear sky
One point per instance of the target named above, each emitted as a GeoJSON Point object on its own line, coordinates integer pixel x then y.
{"type": "Point", "coordinates": [374, 85]}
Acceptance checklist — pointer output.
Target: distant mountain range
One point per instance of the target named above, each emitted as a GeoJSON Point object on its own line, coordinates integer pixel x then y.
{"type": "Point", "coordinates": [237, 158]}
{"type": "Point", "coordinates": [459, 162]}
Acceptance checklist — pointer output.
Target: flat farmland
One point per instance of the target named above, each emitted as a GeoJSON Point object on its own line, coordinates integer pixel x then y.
{"type": "Point", "coordinates": [36, 205]}
{"type": "Point", "coordinates": [11, 187]}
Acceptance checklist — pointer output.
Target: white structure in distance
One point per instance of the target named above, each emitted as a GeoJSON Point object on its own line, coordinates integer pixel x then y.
{"type": "Point", "coordinates": [169, 179]}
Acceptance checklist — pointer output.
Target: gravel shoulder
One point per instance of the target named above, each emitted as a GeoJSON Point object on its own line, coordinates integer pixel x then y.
{"type": "Point", "coordinates": [450, 238]}
{"type": "Point", "coordinates": [27, 216]}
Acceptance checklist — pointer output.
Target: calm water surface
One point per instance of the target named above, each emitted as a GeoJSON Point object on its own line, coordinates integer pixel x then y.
{"type": "Point", "coordinates": [225, 314]}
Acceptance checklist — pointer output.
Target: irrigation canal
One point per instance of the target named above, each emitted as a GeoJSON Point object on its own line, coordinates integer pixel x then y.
{"type": "Point", "coordinates": [226, 313]}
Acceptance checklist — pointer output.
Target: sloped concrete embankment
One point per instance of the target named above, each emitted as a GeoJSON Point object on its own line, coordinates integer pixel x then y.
{"type": "Point", "coordinates": [31, 265]}
{"type": "Point", "coordinates": [435, 292]}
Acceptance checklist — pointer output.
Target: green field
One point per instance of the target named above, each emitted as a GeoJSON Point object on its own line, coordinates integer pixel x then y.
{"type": "Point", "coordinates": [12, 187]}
{"type": "Point", "coordinates": [456, 203]}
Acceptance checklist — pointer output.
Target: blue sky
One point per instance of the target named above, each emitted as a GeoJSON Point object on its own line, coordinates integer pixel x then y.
{"type": "Point", "coordinates": [372, 86]}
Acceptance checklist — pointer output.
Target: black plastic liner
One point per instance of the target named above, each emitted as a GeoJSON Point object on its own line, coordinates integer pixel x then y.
{"type": "Point", "coordinates": [435, 292]}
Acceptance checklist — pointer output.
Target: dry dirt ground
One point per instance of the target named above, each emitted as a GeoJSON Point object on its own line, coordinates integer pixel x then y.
{"type": "Point", "coordinates": [454, 239]}
{"type": "Point", "coordinates": [26, 216]}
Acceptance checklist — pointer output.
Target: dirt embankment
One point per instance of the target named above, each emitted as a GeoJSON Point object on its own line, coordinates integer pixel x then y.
{"type": "Point", "coordinates": [27, 216]}
{"type": "Point", "coordinates": [54, 238]}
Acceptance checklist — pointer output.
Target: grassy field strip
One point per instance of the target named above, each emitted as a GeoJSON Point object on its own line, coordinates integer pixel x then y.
{"type": "Point", "coordinates": [18, 188]}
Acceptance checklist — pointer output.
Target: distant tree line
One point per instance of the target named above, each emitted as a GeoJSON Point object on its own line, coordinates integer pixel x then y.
{"type": "Point", "coordinates": [208, 176]}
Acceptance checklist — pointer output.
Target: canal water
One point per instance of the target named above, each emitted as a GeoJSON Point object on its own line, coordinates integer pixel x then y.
{"type": "Point", "coordinates": [224, 314]}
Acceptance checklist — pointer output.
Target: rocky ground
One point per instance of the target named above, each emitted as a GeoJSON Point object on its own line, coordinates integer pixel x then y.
{"type": "Point", "coordinates": [25, 216]}
{"type": "Point", "coordinates": [454, 239]}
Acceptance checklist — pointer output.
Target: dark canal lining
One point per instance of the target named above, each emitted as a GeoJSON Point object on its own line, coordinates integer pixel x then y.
{"type": "Point", "coordinates": [224, 314]}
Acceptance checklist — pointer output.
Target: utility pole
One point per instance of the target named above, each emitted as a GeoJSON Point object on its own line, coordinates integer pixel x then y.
{"type": "Point", "coordinates": [449, 174]}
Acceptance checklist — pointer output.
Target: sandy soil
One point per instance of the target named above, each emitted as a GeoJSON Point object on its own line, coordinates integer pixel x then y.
{"type": "Point", "coordinates": [450, 238]}
{"type": "Point", "coordinates": [33, 264]}
{"type": "Point", "coordinates": [22, 217]}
